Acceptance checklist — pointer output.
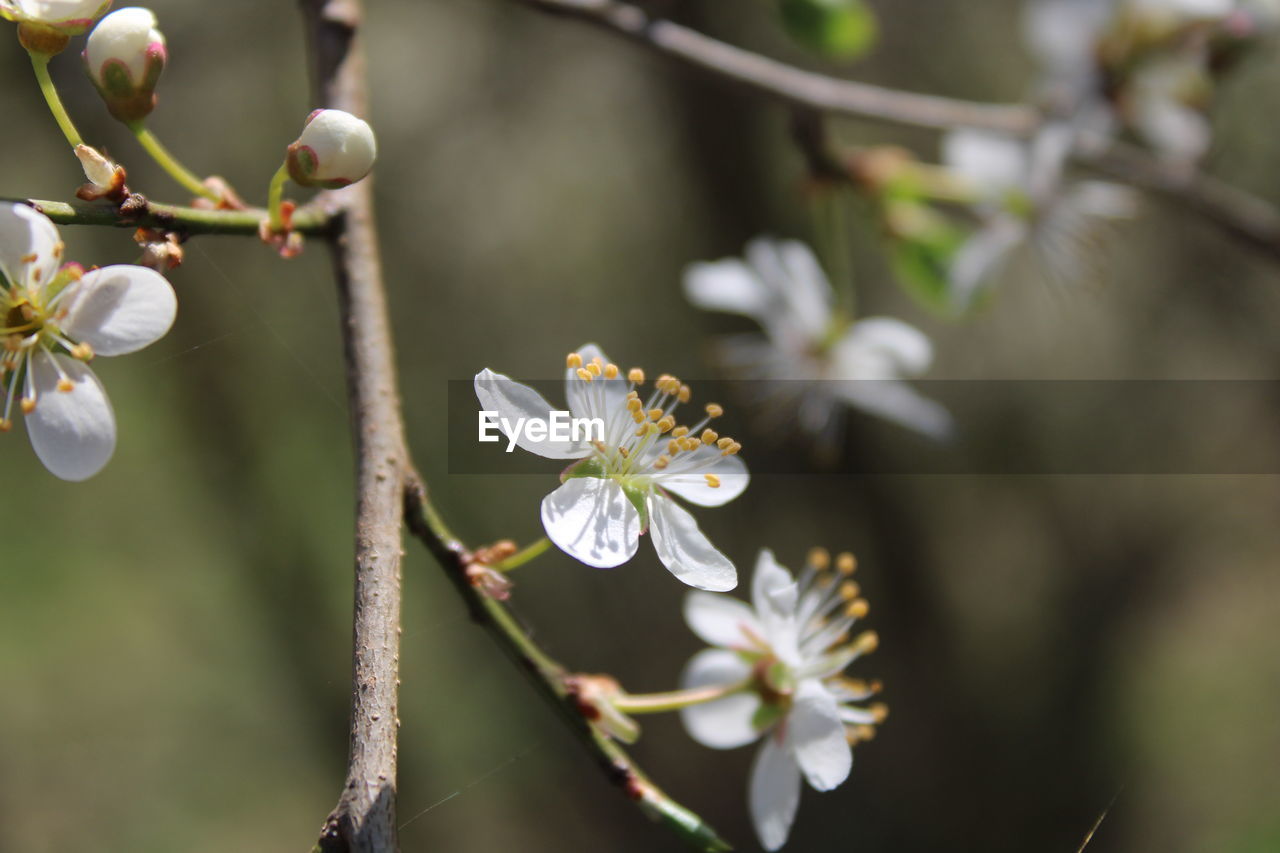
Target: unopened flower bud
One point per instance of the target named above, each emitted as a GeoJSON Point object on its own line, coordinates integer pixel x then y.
{"type": "Point", "coordinates": [335, 149]}
{"type": "Point", "coordinates": [124, 58]}
{"type": "Point", "coordinates": [44, 26]}
{"type": "Point", "coordinates": [106, 179]}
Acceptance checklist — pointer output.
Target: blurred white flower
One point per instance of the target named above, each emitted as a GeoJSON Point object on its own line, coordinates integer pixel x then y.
{"type": "Point", "coordinates": [809, 349]}
{"type": "Point", "coordinates": [792, 644]}
{"type": "Point", "coordinates": [335, 149]}
{"type": "Point", "coordinates": [619, 486]}
{"type": "Point", "coordinates": [55, 319]}
{"type": "Point", "coordinates": [1022, 197]}
{"type": "Point", "coordinates": [124, 56]}
{"type": "Point", "coordinates": [1063, 37]}
{"type": "Point", "coordinates": [68, 17]}
{"type": "Point", "coordinates": [1165, 103]}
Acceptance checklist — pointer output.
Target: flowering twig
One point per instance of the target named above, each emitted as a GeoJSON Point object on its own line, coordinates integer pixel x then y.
{"type": "Point", "coordinates": [550, 677]}
{"type": "Point", "coordinates": [1238, 214]}
{"type": "Point", "coordinates": [140, 212]}
{"type": "Point", "coordinates": [364, 819]}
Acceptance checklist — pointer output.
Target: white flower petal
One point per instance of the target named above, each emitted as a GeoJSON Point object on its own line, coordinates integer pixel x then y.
{"type": "Point", "coordinates": [119, 309]}
{"type": "Point", "coordinates": [592, 520]}
{"type": "Point", "coordinates": [816, 733]}
{"type": "Point", "coordinates": [773, 589]}
{"type": "Point", "coordinates": [807, 292]}
{"type": "Point", "coordinates": [728, 285]}
{"type": "Point", "coordinates": [513, 401]}
{"type": "Point", "coordinates": [983, 255]}
{"type": "Point", "coordinates": [73, 432]}
{"type": "Point", "coordinates": [685, 550]}
{"type": "Point", "coordinates": [724, 723]}
{"type": "Point", "coordinates": [692, 485]}
{"type": "Point", "coordinates": [882, 348]}
{"type": "Point", "coordinates": [897, 401]}
{"type": "Point", "coordinates": [29, 245]}
{"type": "Point", "coordinates": [721, 620]}
{"type": "Point", "coordinates": [774, 794]}
{"type": "Point", "coordinates": [994, 163]}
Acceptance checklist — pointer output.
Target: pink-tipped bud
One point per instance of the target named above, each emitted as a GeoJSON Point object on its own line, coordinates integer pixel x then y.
{"type": "Point", "coordinates": [335, 149]}
{"type": "Point", "coordinates": [124, 58]}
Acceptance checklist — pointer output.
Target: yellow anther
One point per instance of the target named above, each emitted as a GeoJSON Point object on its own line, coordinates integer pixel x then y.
{"type": "Point", "coordinates": [673, 447]}
{"type": "Point", "coordinates": [639, 418]}
{"type": "Point", "coordinates": [573, 361]}
{"type": "Point", "coordinates": [611, 371]}
{"type": "Point", "coordinates": [656, 414]}
{"type": "Point", "coordinates": [690, 444]}
{"type": "Point", "coordinates": [859, 734]}
{"type": "Point", "coordinates": [666, 424]}
{"type": "Point", "coordinates": [881, 711]}
{"type": "Point", "coordinates": [599, 445]}
{"type": "Point", "coordinates": [662, 462]}
{"type": "Point", "coordinates": [684, 394]}
{"type": "Point", "coordinates": [633, 395]}
{"type": "Point", "coordinates": [636, 375]}
{"type": "Point", "coordinates": [84, 352]}
{"type": "Point", "coordinates": [28, 405]}
{"type": "Point", "coordinates": [731, 450]}
{"type": "Point", "coordinates": [66, 385]}
{"type": "Point", "coordinates": [857, 608]}
{"type": "Point", "coordinates": [597, 361]}
{"type": "Point", "coordinates": [867, 642]}
{"type": "Point", "coordinates": [5, 426]}
{"type": "Point", "coordinates": [820, 558]}
{"type": "Point", "coordinates": [710, 436]}
{"type": "Point", "coordinates": [714, 410]}
{"type": "Point", "coordinates": [846, 563]}
{"type": "Point", "coordinates": [712, 480]}
{"type": "Point", "coordinates": [724, 443]}
{"type": "Point", "coordinates": [848, 590]}
{"type": "Point", "coordinates": [595, 368]}
{"type": "Point", "coordinates": [644, 428]}
{"type": "Point", "coordinates": [635, 406]}
{"type": "Point", "coordinates": [584, 374]}
{"type": "Point", "coordinates": [680, 432]}
{"type": "Point", "coordinates": [624, 453]}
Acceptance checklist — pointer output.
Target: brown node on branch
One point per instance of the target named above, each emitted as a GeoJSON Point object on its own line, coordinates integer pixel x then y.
{"type": "Point", "coordinates": [286, 241]}
{"type": "Point", "coordinates": [161, 250]}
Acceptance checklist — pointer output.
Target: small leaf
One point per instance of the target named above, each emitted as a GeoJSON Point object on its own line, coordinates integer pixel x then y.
{"type": "Point", "coordinates": [923, 266]}
{"type": "Point", "coordinates": [839, 29]}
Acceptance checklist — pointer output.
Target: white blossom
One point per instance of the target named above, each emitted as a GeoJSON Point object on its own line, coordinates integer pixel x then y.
{"type": "Point", "coordinates": [335, 149]}
{"type": "Point", "coordinates": [809, 348]}
{"type": "Point", "coordinates": [68, 17]}
{"type": "Point", "coordinates": [622, 485]}
{"type": "Point", "coordinates": [790, 645]}
{"type": "Point", "coordinates": [124, 55]}
{"type": "Point", "coordinates": [55, 319]}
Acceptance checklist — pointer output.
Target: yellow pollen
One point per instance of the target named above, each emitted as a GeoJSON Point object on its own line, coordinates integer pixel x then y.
{"type": "Point", "coordinates": [28, 405]}
{"type": "Point", "coordinates": [662, 462]}
{"type": "Point", "coordinates": [666, 424]}
{"type": "Point", "coordinates": [680, 432]}
{"type": "Point", "coordinates": [611, 371]}
{"type": "Point", "coordinates": [633, 395]}
{"type": "Point", "coordinates": [573, 361]}
{"type": "Point", "coordinates": [594, 367]}
{"type": "Point", "coordinates": [655, 414]}
{"type": "Point", "coordinates": [684, 394]}
{"type": "Point", "coordinates": [639, 418]}
{"type": "Point", "coordinates": [642, 430]}
{"type": "Point", "coordinates": [690, 443]}
{"type": "Point", "coordinates": [65, 385]}
{"type": "Point", "coordinates": [732, 450]}
{"type": "Point", "coordinates": [84, 352]}
{"type": "Point", "coordinates": [626, 454]}
{"type": "Point", "coordinates": [858, 608]}
{"type": "Point", "coordinates": [636, 375]}
{"type": "Point", "coordinates": [863, 733]}
{"type": "Point", "coordinates": [599, 445]}
{"type": "Point", "coordinates": [634, 406]}
{"type": "Point", "coordinates": [584, 374]}
{"type": "Point", "coordinates": [876, 686]}
{"type": "Point", "coordinates": [712, 480]}
{"type": "Point", "coordinates": [709, 436]}
{"type": "Point", "coordinates": [5, 426]}
{"type": "Point", "coordinates": [848, 590]}
{"type": "Point", "coordinates": [820, 559]}
{"type": "Point", "coordinates": [597, 361]}
{"type": "Point", "coordinates": [714, 410]}
{"type": "Point", "coordinates": [846, 563]}
{"type": "Point", "coordinates": [724, 443]}
{"type": "Point", "coordinates": [881, 711]}
{"type": "Point", "coordinates": [867, 642]}
{"type": "Point", "coordinates": [673, 447]}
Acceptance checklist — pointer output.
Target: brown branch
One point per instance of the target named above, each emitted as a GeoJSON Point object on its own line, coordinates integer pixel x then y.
{"type": "Point", "coordinates": [791, 84]}
{"type": "Point", "coordinates": [364, 819]}
{"type": "Point", "coordinates": [1236, 213]}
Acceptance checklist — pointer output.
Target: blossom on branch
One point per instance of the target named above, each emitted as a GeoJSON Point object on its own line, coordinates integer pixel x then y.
{"type": "Point", "coordinates": [809, 347]}
{"type": "Point", "coordinates": [791, 644]}
{"type": "Point", "coordinates": [622, 483]}
{"type": "Point", "coordinates": [56, 318]}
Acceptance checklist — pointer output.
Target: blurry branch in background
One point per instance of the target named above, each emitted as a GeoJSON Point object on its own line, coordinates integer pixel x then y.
{"type": "Point", "coordinates": [364, 819]}
{"type": "Point", "coordinates": [549, 676]}
{"type": "Point", "coordinates": [1238, 214]}
{"type": "Point", "coordinates": [140, 212]}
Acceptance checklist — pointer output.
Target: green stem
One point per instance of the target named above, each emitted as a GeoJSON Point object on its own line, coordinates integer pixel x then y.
{"type": "Point", "coordinates": [523, 556]}
{"type": "Point", "coordinates": [40, 63]}
{"type": "Point", "coordinates": [170, 164]}
{"type": "Point", "coordinates": [275, 197]}
{"type": "Point", "coordinates": [832, 227]}
{"type": "Point", "coordinates": [674, 700]}
{"type": "Point", "coordinates": [309, 219]}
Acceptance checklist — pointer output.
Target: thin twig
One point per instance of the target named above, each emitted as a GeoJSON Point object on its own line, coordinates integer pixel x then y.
{"type": "Point", "coordinates": [1238, 214]}
{"type": "Point", "coordinates": [364, 820]}
{"type": "Point", "coordinates": [140, 212]}
{"type": "Point", "coordinates": [549, 676]}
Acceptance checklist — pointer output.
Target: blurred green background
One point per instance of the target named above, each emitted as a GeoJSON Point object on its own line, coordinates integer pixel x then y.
{"type": "Point", "coordinates": [174, 634]}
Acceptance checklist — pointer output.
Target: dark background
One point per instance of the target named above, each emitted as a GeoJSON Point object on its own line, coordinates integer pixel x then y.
{"type": "Point", "coordinates": [174, 634]}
